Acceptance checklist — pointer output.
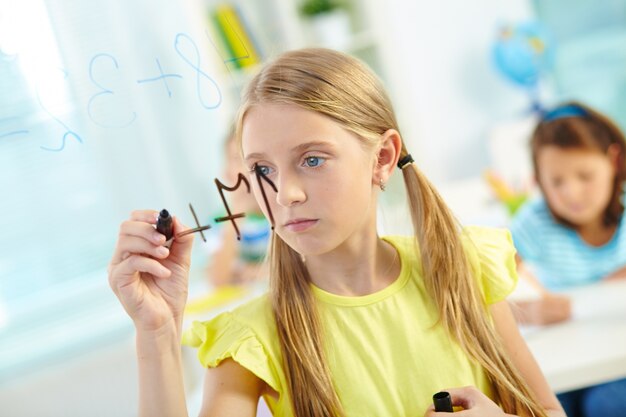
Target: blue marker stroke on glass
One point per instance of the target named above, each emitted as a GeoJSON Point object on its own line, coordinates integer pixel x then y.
{"type": "Point", "coordinates": [199, 72]}
{"type": "Point", "coordinates": [243, 44]}
{"type": "Point", "coordinates": [68, 133]}
{"type": "Point", "coordinates": [161, 77]}
{"type": "Point", "coordinates": [104, 91]}
{"type": "Point", "coordinates": [6, 57]}
{"type": "Point", "coordinates": [16, 132]}
{"type": "Point", "coordinates": [217, 51]}
{"type": "Point", "coordinates": [68, 130]}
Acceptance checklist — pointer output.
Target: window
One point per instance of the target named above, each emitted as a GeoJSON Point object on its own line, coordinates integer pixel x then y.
{"type": "Point", "coordinates": [105, 107]}
{"type": "Point", "coordinates": [590, 54]}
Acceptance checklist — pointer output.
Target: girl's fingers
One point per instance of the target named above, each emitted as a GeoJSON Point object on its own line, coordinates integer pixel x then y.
{"type": "Point", "coordinates": [181, 246]}
{"type": "Point", "coordinates": [137, 263]}
{"type": "Point", "coordinates": [148, 216]}
{"type": "Point", "coordinates": [467, 397]}
{"type": "Point", "coordinates": [178, 228]}
{"type": "Point", "coordinates": [143, 230]}
{"type": "Point", "coordinates": [430, 411]}
{"type": "Point", "coordinates": [130, 245]}
{"type": "Point", "coordinates": [138, 236]}
{"type": "Point", "coordinates": [131, 233]}
{"type": "Point", "coordinates": [125, 274]}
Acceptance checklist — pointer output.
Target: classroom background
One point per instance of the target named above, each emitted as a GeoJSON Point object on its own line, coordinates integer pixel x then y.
{"type": "Point", "coordinates": [110, 106]}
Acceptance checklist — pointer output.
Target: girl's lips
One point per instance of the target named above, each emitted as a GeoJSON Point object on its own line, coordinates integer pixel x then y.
{"type": "Point", "coordinates": [299, 225]}
{"type": "Point", "coordinates": [576, 208]}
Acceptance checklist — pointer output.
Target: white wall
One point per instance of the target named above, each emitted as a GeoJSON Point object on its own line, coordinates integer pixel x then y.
{"type": "Point", "coordinates": [453, 95]}
{"type": "Point", "coordinates": [102, 382]}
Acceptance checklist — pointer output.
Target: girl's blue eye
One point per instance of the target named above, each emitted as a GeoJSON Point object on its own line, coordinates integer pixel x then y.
{"type": "Point", "coordinates": [313, 161]}
{"type": "Point", "coordinates": [262, 169]}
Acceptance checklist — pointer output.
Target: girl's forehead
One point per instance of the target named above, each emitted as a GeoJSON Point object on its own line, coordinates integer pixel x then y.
{"type": "Point", "coordinates": [276, 118]}
{"type": "Point", "coordinates": [554, 159]}
{"type": "Point", "coordinates": [278, 127]}
{"type": "Point", "coordinates": [577, 152]}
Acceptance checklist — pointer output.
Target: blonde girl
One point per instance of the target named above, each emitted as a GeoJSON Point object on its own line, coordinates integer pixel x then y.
{"type": "Point", "coordinates": [353, 324]}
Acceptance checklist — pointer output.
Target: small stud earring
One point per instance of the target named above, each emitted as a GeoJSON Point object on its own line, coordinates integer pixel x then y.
{"type": "Point", "coordinates": [381, 183]}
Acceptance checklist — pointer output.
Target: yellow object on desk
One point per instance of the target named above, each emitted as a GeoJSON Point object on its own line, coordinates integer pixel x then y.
{"type": "Point", "coordinates": [512, 198]}
{"type": "Point", "coordinates": [219, 297]}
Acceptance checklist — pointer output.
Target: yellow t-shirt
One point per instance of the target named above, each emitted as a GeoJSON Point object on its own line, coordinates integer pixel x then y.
{"type": "Point", "coordinates": [385, 356]}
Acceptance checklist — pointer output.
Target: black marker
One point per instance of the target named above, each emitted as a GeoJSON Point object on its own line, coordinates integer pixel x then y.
{"type": "Point", "coordinates": [443, 402]}
{"type": "Point", "coordinates": [165, 226]}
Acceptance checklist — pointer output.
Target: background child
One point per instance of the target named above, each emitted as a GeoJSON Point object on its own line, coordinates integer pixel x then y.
{"type": "Point", "coordinates": [354, 324]}
{"type": "Point", "coordinates": [574, 235]}
{"type": "Point", "coordinates": [233, 261]}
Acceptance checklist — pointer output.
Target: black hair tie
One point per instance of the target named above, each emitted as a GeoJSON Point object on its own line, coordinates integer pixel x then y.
{"type": "Point", "coordinates": [408, 159]}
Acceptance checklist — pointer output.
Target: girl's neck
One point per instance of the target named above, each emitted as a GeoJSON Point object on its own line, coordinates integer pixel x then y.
{"type": "Point", "coordinates": [361, 266]}
{"type": "Point", "coordinates": [595, 233]}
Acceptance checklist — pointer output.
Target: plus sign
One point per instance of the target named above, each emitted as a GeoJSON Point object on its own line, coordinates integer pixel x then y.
{"type": "Point", "coordinates": [163, 77]}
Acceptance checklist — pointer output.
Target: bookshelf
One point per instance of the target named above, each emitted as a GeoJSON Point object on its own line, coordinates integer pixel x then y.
{"type": "Point", "coordinates": [279, 25]}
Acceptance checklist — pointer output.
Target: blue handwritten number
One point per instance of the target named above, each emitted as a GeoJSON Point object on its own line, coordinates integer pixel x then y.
{"type": "Point", "coordinates": [68, 132]}
{"type": "Point", "coordinates": [15, 132]}
{"type": "Point", "coordinates": [161, 77]}
{"type": "Point", "coordinates": [199, 72]}
{"type": "Point", "coordinates": [104, 91]}
{"type": "Point", "coordinates": [6, 57]}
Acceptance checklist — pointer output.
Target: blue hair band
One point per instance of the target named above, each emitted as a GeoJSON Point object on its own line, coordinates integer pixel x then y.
{"type": "Point", "coordinates": [568, 110]}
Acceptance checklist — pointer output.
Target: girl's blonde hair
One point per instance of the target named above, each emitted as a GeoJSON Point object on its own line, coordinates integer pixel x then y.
{"type": "Point", "coordinates": [344, 89]}
{"type": "Point", "coordinates": [583, 128]}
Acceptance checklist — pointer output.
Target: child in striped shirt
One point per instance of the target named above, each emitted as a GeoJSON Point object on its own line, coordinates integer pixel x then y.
{"type": "Point", "coordinates": [575, 234]}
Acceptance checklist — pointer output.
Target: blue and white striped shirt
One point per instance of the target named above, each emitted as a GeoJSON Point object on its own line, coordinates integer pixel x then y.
{"type": "Point", "coordinates": [559, 257]}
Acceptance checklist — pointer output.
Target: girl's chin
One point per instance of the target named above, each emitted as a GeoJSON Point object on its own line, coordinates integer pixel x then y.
{"type": "Point", "coordinates": [579, 219]}
{"type": "Point", "coordinates": [308, 247]}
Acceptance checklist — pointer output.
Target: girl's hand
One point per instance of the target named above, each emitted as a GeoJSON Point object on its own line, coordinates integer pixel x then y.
{"type": "Point", "coordinates": [620, 274]}
{"type": "Point", "coordinates": [474, 403]}
{"type": "Point", "coordinates": [549, 309]}
{"type": "Point", "coordinates": [150, 281]}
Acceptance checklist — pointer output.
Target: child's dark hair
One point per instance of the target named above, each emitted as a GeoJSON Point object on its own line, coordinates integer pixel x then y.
{"type": "Point", "coordinates": [574, 125]}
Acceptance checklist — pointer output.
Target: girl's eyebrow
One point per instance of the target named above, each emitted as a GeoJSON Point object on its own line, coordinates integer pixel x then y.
{"type": "Point", "coordinates": [313, 144]}
{"type": "Point", "coordinates": [254, 155]}
{"type": "Point", "coordinates": [296, 149]}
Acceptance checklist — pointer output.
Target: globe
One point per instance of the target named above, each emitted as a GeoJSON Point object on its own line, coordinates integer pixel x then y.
{"type": "Point", "coordinates": [523, 53]}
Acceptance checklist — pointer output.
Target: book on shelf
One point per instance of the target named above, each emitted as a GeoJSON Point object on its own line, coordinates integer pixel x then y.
{"type": "Point", "coordinates": [233, 32]}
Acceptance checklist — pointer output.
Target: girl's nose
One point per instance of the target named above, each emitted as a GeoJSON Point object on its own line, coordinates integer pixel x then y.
{"type": "Point", "coordinates": [290, 191]}
{"type": "Point", "coordinates": [571, 190]}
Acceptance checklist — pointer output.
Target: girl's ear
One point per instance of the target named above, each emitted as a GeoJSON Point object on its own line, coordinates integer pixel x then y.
{"type": "Point", "coordinates": [532, 179]}
{"type": "Point", "coordinates": [387, 156]}
{"type": "Point", "coordinates": [614, 153]}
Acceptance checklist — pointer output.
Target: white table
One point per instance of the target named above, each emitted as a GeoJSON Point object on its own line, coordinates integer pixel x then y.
{"type": "Point", "coordinates": [590, 348]}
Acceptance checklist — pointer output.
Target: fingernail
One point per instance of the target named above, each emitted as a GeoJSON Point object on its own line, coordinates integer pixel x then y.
{"type": "Point", "coordinates": [158, 237]}
{"type": "Point", "coordinates": [162, 251]}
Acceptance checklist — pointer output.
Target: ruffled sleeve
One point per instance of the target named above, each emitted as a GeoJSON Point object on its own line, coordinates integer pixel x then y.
{"type": "Point", "coordinates": [492, 255]}
{"type": "Point", "coordinates": [225, 337]}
